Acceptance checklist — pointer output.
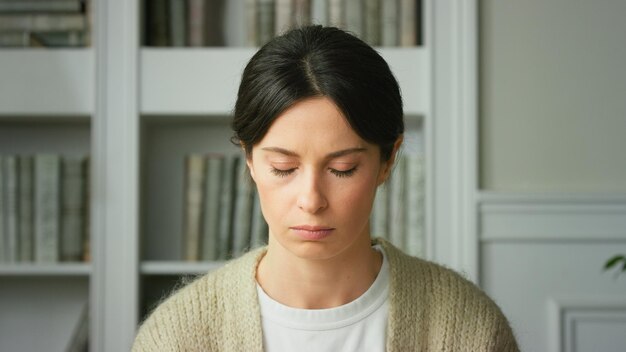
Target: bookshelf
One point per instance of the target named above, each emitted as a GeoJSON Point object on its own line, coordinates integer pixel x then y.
{"type": "Point", "coordinates": [46, 108]}
{"type": "Point", "coordinates": [185, 108]}
{"type": "Point", "coordinates": [137, 110]}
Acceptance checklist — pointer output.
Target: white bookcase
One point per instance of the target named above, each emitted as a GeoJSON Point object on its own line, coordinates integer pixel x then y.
{"type": "Point", "coordinates": [46, 105]}
{"type": "Point", "coordinates": [139, 110]}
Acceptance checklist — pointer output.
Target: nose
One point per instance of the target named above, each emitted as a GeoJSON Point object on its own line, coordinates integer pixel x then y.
{"type": "Point", "coordinates": [311, 198]}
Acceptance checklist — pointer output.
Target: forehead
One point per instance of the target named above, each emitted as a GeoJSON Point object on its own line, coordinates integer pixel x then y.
{"type": "Point", "coordinates": [313, 123]}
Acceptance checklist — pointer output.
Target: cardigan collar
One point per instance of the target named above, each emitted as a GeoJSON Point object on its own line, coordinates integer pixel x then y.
{"type": "Point", "coordinates": [403, 287]}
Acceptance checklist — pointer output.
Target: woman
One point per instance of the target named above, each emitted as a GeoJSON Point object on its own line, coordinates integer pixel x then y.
{"type": "Point", "coordinates": [319, 118]}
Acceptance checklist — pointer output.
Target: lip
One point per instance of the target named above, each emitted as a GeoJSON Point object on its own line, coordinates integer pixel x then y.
{"type": "Point", "coordinates": [312, 232]}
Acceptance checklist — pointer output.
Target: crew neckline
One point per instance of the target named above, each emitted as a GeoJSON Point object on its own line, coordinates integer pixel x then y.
{"type": "Point", "coordinates": [329, 318]}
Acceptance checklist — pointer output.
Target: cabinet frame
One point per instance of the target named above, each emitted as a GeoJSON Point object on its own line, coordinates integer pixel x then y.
{"type": "Point", "coordinates": [449, 107]}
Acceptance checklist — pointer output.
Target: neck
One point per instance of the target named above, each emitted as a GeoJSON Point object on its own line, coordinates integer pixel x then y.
{"type": "Point", "coordinates": [318, 283]}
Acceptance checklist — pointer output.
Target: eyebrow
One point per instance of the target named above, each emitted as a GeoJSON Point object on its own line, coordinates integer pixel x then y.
{"type": "Point", "coordinates": [328, 156]}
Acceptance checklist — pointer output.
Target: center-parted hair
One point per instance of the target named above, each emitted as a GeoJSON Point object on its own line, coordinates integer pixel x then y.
{"type": "Point", "coordinates": [316, 61]}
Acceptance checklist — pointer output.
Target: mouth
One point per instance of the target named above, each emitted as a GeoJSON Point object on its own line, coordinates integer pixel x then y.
{"type": "Point", "coordinates": [311, 232]}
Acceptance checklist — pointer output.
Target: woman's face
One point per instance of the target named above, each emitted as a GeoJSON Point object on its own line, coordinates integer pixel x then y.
{"type": "Point", "coordinates": [316, 180]}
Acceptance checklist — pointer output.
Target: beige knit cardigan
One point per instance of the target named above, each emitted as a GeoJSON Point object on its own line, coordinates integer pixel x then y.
{"type": "Point", "coordinates": [431, 309]}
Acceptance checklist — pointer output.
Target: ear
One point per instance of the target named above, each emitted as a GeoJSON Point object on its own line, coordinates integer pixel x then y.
{"type": "Point", "coordinates": [248, 160]}
{"type": "Point", "coordinates": [250, 168]}
{"type": "Point", "coordinates": [387, 166]}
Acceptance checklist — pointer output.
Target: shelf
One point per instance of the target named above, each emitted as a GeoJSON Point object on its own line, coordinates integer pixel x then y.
{"type": "Point", "coordinates": [178, 268]}
{"type": "Point", "coordinates": [47, 82]}
{"type": "Point", "coordinates": [37, 269]}
{"type": "Point", "coordinates": [51, 119]}
{"type": "Point", "coordinates": [189, 87]}
{"type": "Point", "coordinates": [411, 68]}
{"type": "Point", "coordinates": [21, 135]}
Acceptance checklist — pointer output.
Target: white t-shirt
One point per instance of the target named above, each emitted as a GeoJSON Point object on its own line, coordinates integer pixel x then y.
{"type": "Point", "coordinates": [357, 326]}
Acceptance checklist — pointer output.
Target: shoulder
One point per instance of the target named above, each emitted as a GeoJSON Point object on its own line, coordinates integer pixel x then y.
{"type": "Point", "coordinates": [430, 279]}
{"type": "Point", "coordinates": [193, 313]}
{"type": "Point", "coordinates": [176, 317]}
{"type": "Point", "coordinates": [435, 298]}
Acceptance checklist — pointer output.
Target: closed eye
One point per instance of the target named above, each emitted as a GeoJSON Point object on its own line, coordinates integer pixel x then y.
{"type": "Point", "coordinates": [281, 172]}
{"type": "Point", "coordinates": [343, 173]}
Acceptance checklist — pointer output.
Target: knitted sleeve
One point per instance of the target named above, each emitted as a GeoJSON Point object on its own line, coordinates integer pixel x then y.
{"type": "Point", "coordinates": [466, 318]}
{"type": "Point", "coordinates": [435, 309]}
{"type": "Point", "coordinates": [503, 339]}
{"type": "Point", "coordinates": [217, 312]}
{"type": "Point", "coordinates": [178, 324]}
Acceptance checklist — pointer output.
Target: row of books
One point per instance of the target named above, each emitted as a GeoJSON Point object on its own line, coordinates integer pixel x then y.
{"type": "Point", "coordinates": [222, 215]}
{"type": "Point", "coordinates": [181, 23]}
{"type": "Point", "coordinates": [380, 23]}
{"type": "Point", "coordinates": [44, 23]}
{"type": "Point", "coordinates": [44, 213]}
{"type": "Point", "coordinates": [399, 208]}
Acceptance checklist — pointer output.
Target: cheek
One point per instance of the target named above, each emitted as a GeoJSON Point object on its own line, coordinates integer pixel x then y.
{"type": "Point", "coordinates": [359, 195]}
{"type": "Point", "coordinates": [273, 198]}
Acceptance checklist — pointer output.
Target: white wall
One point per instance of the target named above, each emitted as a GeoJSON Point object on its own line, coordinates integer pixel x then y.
{"type": "Point", "coordinates": [552, 206]}
{"type": "Point", "coordinates": [553, 95]}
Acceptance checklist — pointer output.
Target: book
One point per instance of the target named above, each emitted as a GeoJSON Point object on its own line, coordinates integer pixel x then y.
{"type": "Point", "coordinates": [418, 22]}
{"type": "Point", "coordinates": [226, 206]}
{"type": "Point", "coordinates": [335, 13]}
{"type": "Point", "coordinates": [192, 217]}
{"type": "Point", "coordinates": [242, 219]}
{"type": "Point", "coordinates": [34, 6]}
{"type": "Point", "coordinates": [283, 13]}
{"type": "Point", "coordinates": [407, 23]}
{"type": "Point", "coordinates": [196, 22]}
{"type": "Point", "coordinates": [15, 39]}
{"type": "Point", "coordinates": [42, 23]}
{"type": "Point", "coordinates": [379, 224]}
{"type": "Point", "coordinates": [265, 21]}
{"type": "Point", "coordinates": [11, 204]}
{"type": "Point", "coordinates": [371, 30]}
{"type": "Point", "coordinates": [319, 12]}
{"type": "Point", "coordinates": [415, 230]}
{"type": "Point", "coordinates": [390, 23]}
{"type": "Point", "coordinates": [259, 232]}
{"type": "Point", "coordinates": [72, 208]}
{"type": "Point", "coordinates": [58, 39]}
{"type": "Point", "coordinates": [301, 12]}
{"type": "Point", "coordinates": [26, 210]}
{"type": "Point", "coordinates": [3, 246]}
{"type": "Point", "coordinates": [252, 25]}
{"type": "Point", "coordinates": [178, 22]}
{"type": "Point", "coordinates": [89, 16]}
{"type": "Point", "coordinates": [397, 205]}
{"type": "Point", "coordinates": [211, 215]}
{"type": "Point", "coordinates": [214, 23]}
{"type": "Point", "coordinates": [87, 214]}
{"type": "Point", "coordinates": [157, 25]}
{"type": "Point", "coordinates": [47, 204]}
{"type": "Point", "coordinates": [354, 17]}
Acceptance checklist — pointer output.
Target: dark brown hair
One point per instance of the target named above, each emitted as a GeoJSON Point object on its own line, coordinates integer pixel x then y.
{"type": "Point", "coordinates": [315, 61]}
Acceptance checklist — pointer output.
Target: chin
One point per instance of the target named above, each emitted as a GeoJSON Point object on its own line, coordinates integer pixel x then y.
{"type": "Point", "coordinates": [314, 250]}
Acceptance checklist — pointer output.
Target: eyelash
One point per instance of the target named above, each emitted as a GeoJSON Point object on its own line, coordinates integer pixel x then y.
{"type": "Point", "coordinates": [340, 174]}
{"type": "Point", "coordinates": [281, 173]}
